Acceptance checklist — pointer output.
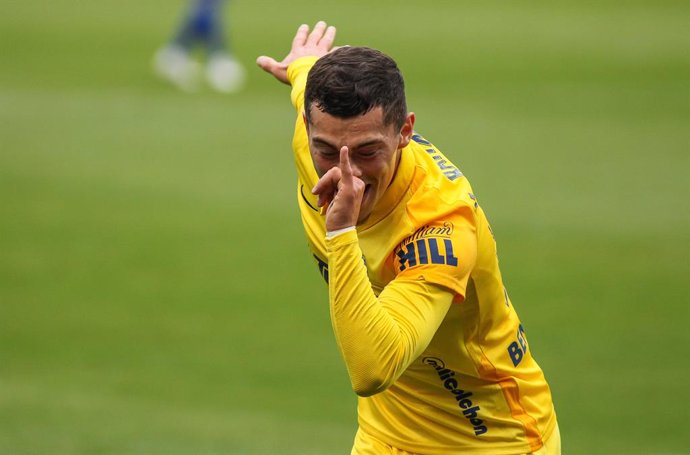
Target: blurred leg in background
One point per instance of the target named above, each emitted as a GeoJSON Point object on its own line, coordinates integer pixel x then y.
{"type": "Point", "coordinates": [202, 26]}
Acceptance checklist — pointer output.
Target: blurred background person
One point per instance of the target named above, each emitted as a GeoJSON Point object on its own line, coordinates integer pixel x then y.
{"type": "Point", "coordinates": [202, 26]}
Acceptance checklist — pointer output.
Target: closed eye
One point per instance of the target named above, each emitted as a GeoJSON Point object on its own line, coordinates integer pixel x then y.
{"type": "Point", "coordinates": [368, 153]}
{"type": "Point", "coordinates": [328, 152]}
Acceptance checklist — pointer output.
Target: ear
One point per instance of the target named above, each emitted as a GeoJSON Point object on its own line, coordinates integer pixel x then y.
{"type": "Point", "coordinates": [407, 130]}
{"type": "Point", "coordinates": [304, 118]}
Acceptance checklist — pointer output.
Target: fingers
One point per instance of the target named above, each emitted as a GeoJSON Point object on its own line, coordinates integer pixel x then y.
{"type": "Point", "coordinates": [266, 63]}
{"type": "Point", "coordinates": [300, 38]}
{"type": "Point", "coordinates": [271, 66]}
{"type": "Point", "coordinates": [316, 34]}
{"type": "Point", "coordinates": [348, 179]}
{"type": "Point", "coordinates": [328, 38]}
{"type": "Point", "coordinates": [321, 36]}
{"type": "Point", "coordinates": [317, 43]}
{"type": "Point", "coordinates": [345, 167]}
{"type": "Point", "coordinates": [327, 186]}
{"type": "Point", "coordinates": [336, 178]}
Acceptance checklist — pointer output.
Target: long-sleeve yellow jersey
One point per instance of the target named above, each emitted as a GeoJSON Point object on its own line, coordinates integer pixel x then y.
{"type": "Point", "coordinates": [429, 336]}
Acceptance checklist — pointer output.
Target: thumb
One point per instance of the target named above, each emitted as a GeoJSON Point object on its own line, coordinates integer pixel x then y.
{"type": "Point", "coordinates": [266, 63]}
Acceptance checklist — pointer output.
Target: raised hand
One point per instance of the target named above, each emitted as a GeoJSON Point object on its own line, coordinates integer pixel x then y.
{"type": "Point", "coordinates": [317, 43]}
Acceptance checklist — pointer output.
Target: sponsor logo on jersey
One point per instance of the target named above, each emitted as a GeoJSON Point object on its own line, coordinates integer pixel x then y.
{"type": "Point", "coordinates": [464, 397]}
{"type": "Point", "coordinates": [428, 245]}
{"type": "Point", "coordinates": [518, 349]}
{"type": "Point", "coordinates": [445, 230]}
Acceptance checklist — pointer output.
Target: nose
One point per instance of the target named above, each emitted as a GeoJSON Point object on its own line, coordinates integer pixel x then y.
{"type": "Point", "coordinates": [354, 165]}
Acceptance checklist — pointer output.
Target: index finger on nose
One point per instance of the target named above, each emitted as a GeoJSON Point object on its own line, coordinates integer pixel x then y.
{"type": "Point", "coordinates": [345, 167]}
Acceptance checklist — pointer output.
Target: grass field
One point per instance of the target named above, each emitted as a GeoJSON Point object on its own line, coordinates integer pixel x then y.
{"type": "Point", "coordinates": [156, 293]}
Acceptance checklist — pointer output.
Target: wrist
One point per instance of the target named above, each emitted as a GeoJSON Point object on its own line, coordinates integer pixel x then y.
{"type": "Point", "coordinates": [333, 233]}
{"type": "Point", "coordinates": [299, 65]}
{"type": "Point", "coordinates": [341, 240]}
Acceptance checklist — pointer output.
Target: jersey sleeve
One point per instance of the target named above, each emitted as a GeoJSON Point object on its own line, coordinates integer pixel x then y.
{"type": "Point", "coordinates": [442, 253]}
{"type": "Point", "coordinates": [379, 337]}
{"type": "Point", "coordinates": [297, 73]}
{"type": "Point", "coordinates": [297, 76]}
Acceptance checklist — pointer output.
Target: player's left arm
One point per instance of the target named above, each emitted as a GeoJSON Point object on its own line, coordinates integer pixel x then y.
{"type": "Point", "coordinates": [379, 337]}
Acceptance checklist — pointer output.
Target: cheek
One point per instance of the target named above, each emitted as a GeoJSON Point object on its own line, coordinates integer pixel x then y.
{"type": "Point", "coordinates": [321, 165]}
{"type": "Point", "coordinates": [384, 174]}
{"type": "Point", "coordinates": [377, 170]}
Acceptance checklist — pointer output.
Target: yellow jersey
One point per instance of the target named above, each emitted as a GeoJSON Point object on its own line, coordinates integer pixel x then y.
{"type": "Point", "coordinates": [475, 387]}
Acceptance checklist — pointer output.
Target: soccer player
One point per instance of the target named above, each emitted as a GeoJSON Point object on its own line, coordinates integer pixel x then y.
{"type": "Point", "coordinates": [201, 26]}
{"type": "Point", "coordinates": [431, 341]}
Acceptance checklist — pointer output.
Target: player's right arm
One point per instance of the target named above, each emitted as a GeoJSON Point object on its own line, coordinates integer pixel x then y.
{"type": "Point", "coordinates": [307, 47]}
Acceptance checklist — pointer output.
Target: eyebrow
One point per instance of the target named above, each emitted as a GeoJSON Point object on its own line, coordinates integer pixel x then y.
{"type": "Point", "coordinates": [320, 141]}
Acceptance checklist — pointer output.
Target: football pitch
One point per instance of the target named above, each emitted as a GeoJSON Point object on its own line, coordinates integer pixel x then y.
{"type": "Point", "coordinates": [156, 292]}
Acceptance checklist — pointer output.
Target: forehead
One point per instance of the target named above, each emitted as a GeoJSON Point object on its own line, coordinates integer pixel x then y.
{"type": "Point", "coordinates": [340, 130]}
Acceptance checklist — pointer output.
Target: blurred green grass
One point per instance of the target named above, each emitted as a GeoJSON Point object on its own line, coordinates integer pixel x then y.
{"type": "Point", "coordinates": [156, 293]}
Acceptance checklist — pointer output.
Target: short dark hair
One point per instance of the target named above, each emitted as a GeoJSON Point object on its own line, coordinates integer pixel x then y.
{"type": "Point", "coordinates": [352, 81]}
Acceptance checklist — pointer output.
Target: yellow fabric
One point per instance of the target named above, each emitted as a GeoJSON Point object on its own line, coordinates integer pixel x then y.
{"type": "Point", "coordinates": [434, 377]}
{"type": "Point", "coordinates": [552, 446]}
{"type": "Point", "coordinates": [379, 337]}
{"type": "Point", "coordinates": [368, 445]}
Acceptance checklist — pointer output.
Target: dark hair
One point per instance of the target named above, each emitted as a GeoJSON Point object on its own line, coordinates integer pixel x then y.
{"type": "Point", "coordinates": [352, 81]}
